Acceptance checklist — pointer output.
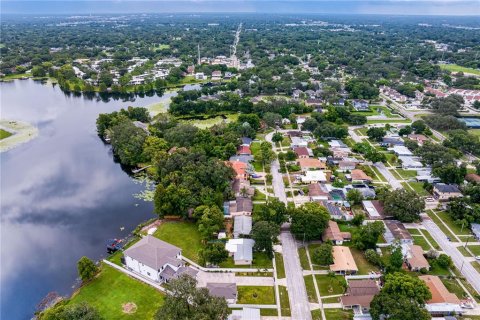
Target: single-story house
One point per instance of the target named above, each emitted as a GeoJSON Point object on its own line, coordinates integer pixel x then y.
{"type": "Point", "coordinates": [360, 176]}
{"type": "Point", "coordinates": [409, 163]}
{"type": "Point", "coordinates": [343, 262]}
{"type": "Point", "coordinates": [473, 177]}
{"type": "Point", "coordinates": [414, 258]}
{"type": "Point", "coordinates": [419, 138]}
{"type": "Point", "coordinates": [340, 152]}
{"type": "Point", "coordinates": [240, 206]}
{"type": "Point", "coordinates": [241, 250]}
{"type": "Point", "coordinates": [311, 163]}
{"type": "Point", "coordinates": [314, 177]}
{"type": "Point", "coordinates": [367, 191]}
{"type": "Point", "coordinates": [444, 192]}
{"type": "Point", "coordinates": [361, 105]}
{"type": "Point", "coordinates": [244, 150]}
{"type": "Point", "coordinates": [395, 230]}
{"type": "Point", "coordinates": [224, 290]}
{"type": "Point", "coordinates": [359, 295]}
{"type": "Point", "coordinates": [240, 169]}
{"type": "Point", "coordinates": [155, 259]}
{"type": "Point", "coordinates": [317, 193]}
{"type": "Point", "coordinates": [334, 210]}
{"type": "Point", "coordinates": [246, 141]}
{"type": "Point", "coordinates": [392, 141]}
{"type": "Point", "coordinates": [200, 76]}
{"type": "Point", "coordinates": [216, 75]}
{"type": "Point", "coordinates": [242, 225]}
{"type": "Point", "coordinates": [401, 151]}
{"type": "Point", "coordinates": [374, 209]}
{"type": "Point", "coordinates": [298, 142]}
{"type": "Point", "coordinates": [245, 314]}
{"type": "Point", "coordinates": [333, 233]}
{"type": "Point", "coordinates": [346, 165]}
{"type": "Point", "coordinates": [443, 302]}
{"type": "Point", "coordinates": [475, 230]}
{"type": "Point", "coordinates": [301, 152]}
{"type": "Point", "coordinates": [242, 187]}
{"type": "Point", "coordinates": [295, 133]}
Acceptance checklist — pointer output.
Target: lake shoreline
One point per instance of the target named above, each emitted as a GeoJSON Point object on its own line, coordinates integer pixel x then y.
{"type": "Point", "coordinates": [22, 132]}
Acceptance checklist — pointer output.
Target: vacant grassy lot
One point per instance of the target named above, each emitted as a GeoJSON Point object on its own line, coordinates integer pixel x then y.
{"type": "Point", "coordinates": [260, 261]}
{"type": "Point", "coordinates": [364, 267]}
{"type": "Point", "coordinates": [284, 302]}
{"type": "Point", "coordinates": [279, 265]}
{"type": "Point", "coordinates": [457, 229]}
{"type": "Point", "coordinates": [328, 285]}
{"type": "Point", "coordinates": [256, 295]}
{"type": "Point", "coordinates": [407, 174]}
{"type": "Point", "coordinates": [457, 68]}
{"type": "Point", "coordinates": [111, 289]}
{"type": "Point", "coordinates": [4, 134]}
{"type": "Point", "coordinates": [182, 234]}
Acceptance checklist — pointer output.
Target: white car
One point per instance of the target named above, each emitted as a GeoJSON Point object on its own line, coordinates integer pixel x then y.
{"type": "Point", "coordinates": [477, 258]}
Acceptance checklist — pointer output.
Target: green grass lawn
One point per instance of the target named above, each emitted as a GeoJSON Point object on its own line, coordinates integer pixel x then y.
{"type": "Point", "coordinates": [476, 265]}
{"type": "Point", "coordinates": [414, 232]}
{"type": "Point", "coordinates": [116, 256]}
{"type": "Point", "coordinates": [279, 265]}
{"type": "Point", "coordinates": [364, 267]}
{"type": "Point", "coordinates": [329, 286]}
{"type": "Point", "coordinates": [382, 178]}
{"type": "Point", "coordinates": [303, 259]}
{"type": "Point", "coordinates": [312, 296]}
{"type": "Point", "coordinates": [268, 312]}
{"type": "Point", "coordinates": [338, 314]}
{"type": "Point", "coordinates": [429, 237]}
{"type": "Point", "coordinates": [457, 229]}
{"type": "Point", "coordinates": [457, 68]}
{"type": "Point", "coordinates": [111, 289]}
{"type": "Point", "coordinates": [420, 241]}
{"type": "Point", "coordinates": [440, 224]}
{"type": "Point", "coordinates": [475, 250]}
{"type": "Point", "coordinates": [284, 302]}
{"type": "Point", "coordinates": [259, 196]}
{"type": "Point", "coordinates": [256, 295]}
{"type": "Point", "coordinates": [331, 300]}
{"type": "Point", "coordinates": [418, 188]}
{"type": "Point", "coordinates": [475, 132]}
{"type": "Point", "coordinates": [260, 261]}
{"type": "Point", "coordinates": [407, 174]}
{"type": "Point", "coordinates": [453, 286]}
{"type": "Point", "coordinates": [4, 134]}
{"type": "Point", "coordinates": [182, 234]}
{"type": "Point", "coordinates": [400, 120]}
{"type": "Point", "coordinates": [464, 251]}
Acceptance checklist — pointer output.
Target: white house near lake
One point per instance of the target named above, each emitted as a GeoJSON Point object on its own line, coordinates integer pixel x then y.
{"type": "Point", "coordinates": [156, 259]}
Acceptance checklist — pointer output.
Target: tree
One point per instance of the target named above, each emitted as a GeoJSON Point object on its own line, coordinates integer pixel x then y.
{"type": "Point", "coordinates": [210, 222]}
{"type": "Point", "coordinates": [376, 133]}
{"type": "Point", "coordinates": [358, 219]}
{"type": "Point", "coordinates": [403, 205]}
{"type": "Point", "coordinates": [38, 71]}
{"type": "Point", "coordinates": [277, 137]}
{"type": "Point", "coordinates": [86, 269]}
{"type": "Point", "coordinates": [395, 261]}
{"type": "Point", "coordinates": [309, 221]}
{"type": "Point", "coordinates": [265, 234]}
{"type": "Point", "coordinates": [172, 200]}
{"type": "Point", "coordinates": [127, 142]}
{"type": "Point", "coordinates": [419, 126]}
{"type": "Point", "coordinates": [373, 257]}
{"type": "Point", "coordinates": [267, 155]}
{"type": "Point", "coordinates": [184, 301]}
{"type": "Point", "coordinates": [366, 236]}
{"type": "Point", "coordinates": [77, 311]}
{"type": "Point", "coordinates": [450, 173]}
{"type": "Point", "coordinates": [402, 298]}
{"type": "Point", "coordinates": [354, 196]}
{"type": "Point", "coordinates": [274, 210]}
{"type": "Point", "coordinates": [152, 146]}
{"type": "Point", "coordinates": [322, 255]}
{"type": "Point", "coordinates": [444, 261]}
{"type": "Point", "coordinates": [214, 253]}
{"type": "Point", "coordinates": [272, 119]}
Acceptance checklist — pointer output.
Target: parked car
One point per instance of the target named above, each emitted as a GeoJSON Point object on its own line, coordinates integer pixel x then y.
{"type": "Point", "coordinates": [477, 258]}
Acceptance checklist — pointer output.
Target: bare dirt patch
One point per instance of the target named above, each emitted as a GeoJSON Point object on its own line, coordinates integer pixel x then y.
{"type": "Point", "coordinates": [129, 308]}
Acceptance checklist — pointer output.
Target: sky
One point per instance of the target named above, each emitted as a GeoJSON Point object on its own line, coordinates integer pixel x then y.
{"type": "Point", "coordinates": [396, 7]}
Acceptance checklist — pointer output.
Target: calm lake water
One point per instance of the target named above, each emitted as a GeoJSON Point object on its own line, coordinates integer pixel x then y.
{"type": "Point", "coordinates": [62, 195]}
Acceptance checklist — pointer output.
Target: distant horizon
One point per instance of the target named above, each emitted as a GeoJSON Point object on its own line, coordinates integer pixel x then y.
{"type": "Point", "coordinates": [460, 8]}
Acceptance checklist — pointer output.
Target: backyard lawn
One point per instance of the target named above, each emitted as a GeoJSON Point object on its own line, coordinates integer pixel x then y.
{"type": "Point", "coordinates": [182, 234]}
{"type": "Point", "coordinates": [328, 285]}
{"type": "Point", "coordinates": [260, 261]}
{"type": "Point", "coordinates": [111, 289]}
{"type": "Point", "coordinates": [256, 295]}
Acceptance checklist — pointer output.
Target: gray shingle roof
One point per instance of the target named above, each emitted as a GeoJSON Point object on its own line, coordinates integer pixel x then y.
{"type": "Point", "coordinates": [224, 290]}
{"type": "Point", "coordinates": [242, 225]}
{"type": "Point", "coordinates": [447, 188]}
{"type": "Point", "coordinates": [154, 252]}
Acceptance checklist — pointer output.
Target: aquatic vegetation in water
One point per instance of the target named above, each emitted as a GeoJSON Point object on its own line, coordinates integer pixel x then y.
{"type": "Point", "coordinates": [149, 191]}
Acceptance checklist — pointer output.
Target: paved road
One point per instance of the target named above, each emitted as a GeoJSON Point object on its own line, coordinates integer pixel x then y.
{"type": "Point", "coordinates": [297, 292]}
{"type": "Point", "coordinates": [388, 175]}
{"type": "Point", "coordinates": [353, 135]}
{"type": "Point", "coordinates": [277, 179]}
{"type": "Point", "coordinates": [462, 263]}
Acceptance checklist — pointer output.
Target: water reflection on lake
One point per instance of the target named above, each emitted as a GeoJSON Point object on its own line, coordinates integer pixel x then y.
{"type": "Point", "coordinates": [62, 195]}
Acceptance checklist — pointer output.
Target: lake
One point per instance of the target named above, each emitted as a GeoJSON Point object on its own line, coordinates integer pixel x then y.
{"type": "Point", "coordinates": [62, 194]}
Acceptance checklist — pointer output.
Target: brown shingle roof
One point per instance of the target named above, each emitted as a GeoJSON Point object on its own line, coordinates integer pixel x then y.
{"type": "Point", "coordinates": [398, 230]}
{"type": "Point", "coordinates": [416, 259]}
{"type": "Point", "coordinates": [332, 232]}
{"type": "Point", "coordinates": [301, 151]}
{"type": "Point", "coordinates": [311, 163]}
{"type": "Point", "coordinates": [343, 260]}
{"type": "Point", "coordinates": [358, 174]}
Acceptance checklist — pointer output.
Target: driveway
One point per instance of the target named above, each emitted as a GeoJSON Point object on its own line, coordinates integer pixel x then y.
{"type": "Point", "coordinates": [214, 277]}
{"type": "Point", "coordinates": [254, 281]}
{"type": "Point", "coordinates": [388, 175]}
